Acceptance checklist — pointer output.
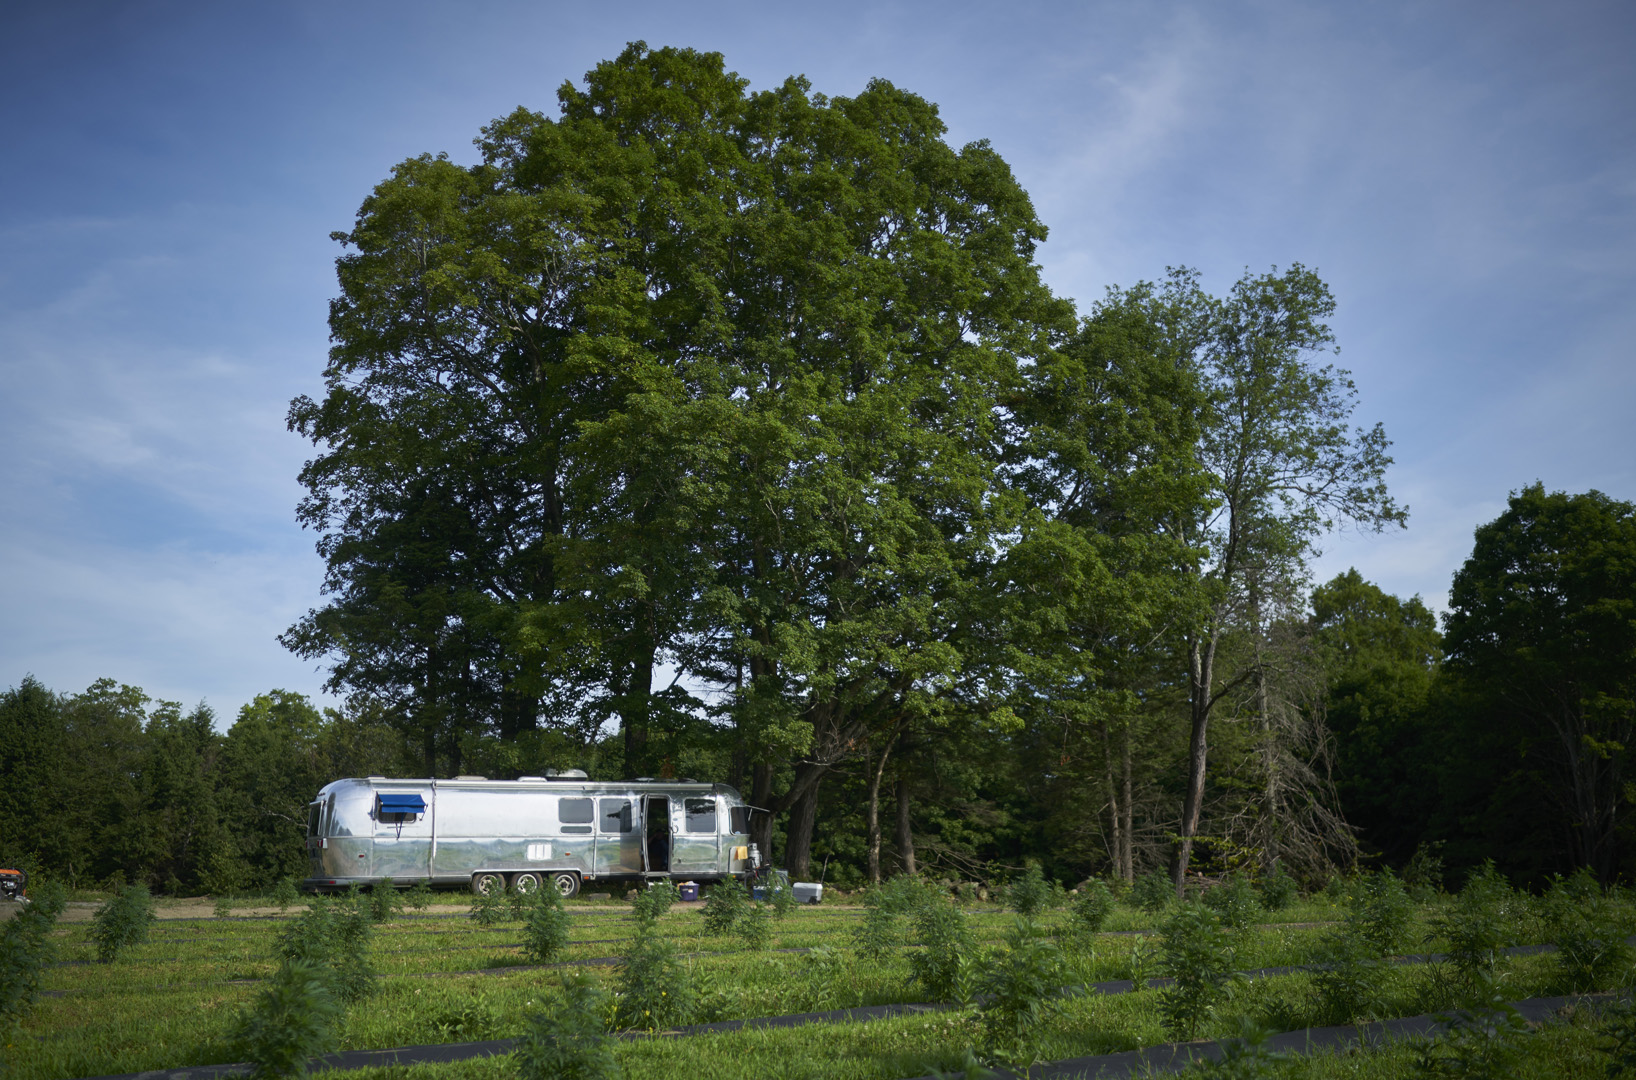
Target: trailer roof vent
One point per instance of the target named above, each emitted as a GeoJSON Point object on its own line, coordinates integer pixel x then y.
{"type": "Point", "coordinates": [565, 774]}
{"type": "Point", "coordinates": [373, 776]}
{"type": "Point", "coordinates": [536, 778]}
{"type": "Point", "coordinates": [471, 778]}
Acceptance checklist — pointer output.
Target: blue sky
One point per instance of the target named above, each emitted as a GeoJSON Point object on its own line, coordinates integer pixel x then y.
{"type": "Point", "coordinates": [1462, 174]}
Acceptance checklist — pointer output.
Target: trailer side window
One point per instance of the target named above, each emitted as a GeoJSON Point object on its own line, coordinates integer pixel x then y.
{"type": "Point", "coordinates": [616, 815]}
{"type": "Point", "coordinates": [313, 811]}
{"type": "Point", "coordinates": [701, 815]}
{"type": "Point", "coordinates": [575, 815]}
{"type": "Point", "coordinates": [740, 816]}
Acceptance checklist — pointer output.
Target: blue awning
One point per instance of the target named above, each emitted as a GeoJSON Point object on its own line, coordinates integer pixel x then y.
{"type": "Point", "coordinates": [402, 804]}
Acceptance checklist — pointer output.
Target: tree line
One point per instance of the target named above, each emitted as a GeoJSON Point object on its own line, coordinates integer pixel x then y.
{"type": "Point", "coordinates": [707, 432]}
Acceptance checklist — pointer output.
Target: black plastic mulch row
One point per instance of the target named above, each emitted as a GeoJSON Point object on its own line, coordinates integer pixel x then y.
{"type": "Point", "coordinates": [1166, 1058]}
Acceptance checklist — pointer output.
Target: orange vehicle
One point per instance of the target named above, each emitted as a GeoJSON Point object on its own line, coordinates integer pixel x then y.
{"type": "Point", "coordinates": [13, 884]}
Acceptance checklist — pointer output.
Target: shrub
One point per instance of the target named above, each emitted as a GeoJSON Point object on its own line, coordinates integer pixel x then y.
{"type": "Point", "coordinates": [1484, 1041]}
{"type": "Point", "coordinates": [1382, 913]}
{"type": "Point", "coordinates": [902, 894]}
{"type": "Point", "coordinates": [1021, 987]}
{"type": "Point", "coordinates": [223, 908]}
{"type": "Point", "coordinates": [570, 1042]}
{"type": "Point", "coordinates": [1235, 902]}
{"type": "Point", "coordinates": [122, 922]}
{"type": "Point", "coordinates": [1198, 958]}
{"type": "Point", "coordinates": [1030, 894]}
{"type": "Point", "coordinates": [334, 938]}
{"type": "Point", "coordinates": [384, 901]}
{"type": "Point", "coordinates": [545, 926]}
{"type": "Point", "coordinates": [781, 898]}
{"type": "Point", "coordinates": [1152, 891]}
{"type": "Point", "coordinates": [1424, 874]}
{"type": "Point", "coordinates": [293, 1019]}
{"type": "Point", "coordinates": [755, 926]}
{"type": "Point", "coordinates": [880, 933]}
{"type": "Point", "coordinates": [286, 893]}
{"type": "Point", "coordinates": [1588, 933]}
{"type": "Point", "coordinates": [1278, 889]}
{"type": "Point", "coordinates": [25, 950]}
{"type": "Point", "coordinates": [944, 966]}
{"type": "Point", "coordinates": [1092, 907]}
{"type": "Point", "coordinates": [419, 896]}
{"type": "Point", "coordinates": [490, 908]}
{"type": "Point", "coordinates": [725, 907]}
{"type": "Point", "coordinates": [653, 901]}
{"type": "Point", "coordinates": [1350, 977]}
{"type": "Point", "coordinates": [653, 991]}
{"type": "Point", "coordinates": [1477, 925]}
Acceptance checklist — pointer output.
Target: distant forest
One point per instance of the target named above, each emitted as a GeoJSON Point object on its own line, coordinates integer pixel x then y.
{"type": "Point", "coordinates": [701, 432]}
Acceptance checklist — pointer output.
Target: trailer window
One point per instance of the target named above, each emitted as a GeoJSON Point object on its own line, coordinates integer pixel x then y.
{"type": "Point", "coordinates": [575, 812]}
{"type": "Point", "coordinates": [313, 810]}
{"type": "Point", "coordinates": [740, 816]}
{"type": "Point", "coordinates": [701, 815]}
{"type": "Point", "coordinates": [616, 815]}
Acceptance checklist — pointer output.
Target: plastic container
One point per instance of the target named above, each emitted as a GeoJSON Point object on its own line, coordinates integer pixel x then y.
{"type": "Point", "coordinates": [689, 890]}
{"type": "Point", "coordinates": [808, 892]}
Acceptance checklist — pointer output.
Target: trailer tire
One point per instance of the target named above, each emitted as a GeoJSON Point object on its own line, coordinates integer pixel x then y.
{"type": "Point", "coordinates": [525, 883]}
{"type": "Point", "coordinates": [487, 883]}
{"type": "Point", "coordinates": [567, 883]}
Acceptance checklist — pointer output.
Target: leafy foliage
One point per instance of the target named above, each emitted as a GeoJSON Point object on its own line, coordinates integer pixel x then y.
{"type": "Point", "coordinates": [1478, 924]}
{"type": "Point", "coordinates": [652, 989]}
{"type": "Point", "coordinates": [945, 964]}
{"type": "Point", "coordinates": [1092, 907]}
{"type": "Point", "coordinates": [1152, 891]}
{"type": "Point", "coordinates": [653, 901]}
{"type": "Point", "coordinates": [333, 937]}
{"type": "Point", "coordinates": [1021, 987]}
{"type": "Point", "coordinates": [122, 922]}
{"type": "Point", "coordinates": [1198, 958]}
{"type": "Point", "coordinates": [25, 950]}
{"type": "Point", "coordinates": [569, 1041]}
{"type": "Point", "coordinates": [545, 924]}
{"type": "Point", "coordinates": [293, 1019]}
{"type": "Point", "coordinates": [1278, 889]}
{"type": "Point", "coordinates": [1029, 894]}
{"type": "Point", "coordinates": [385, 902]}
{"type": "Point", "coordinates": [725, 907]}
{"type": "Point", "coordinates": [1382, 913]}
{"type": "Point", "coordinates": [1235, 901]}
{"type": "Point", "coordinates": [1590, 936]}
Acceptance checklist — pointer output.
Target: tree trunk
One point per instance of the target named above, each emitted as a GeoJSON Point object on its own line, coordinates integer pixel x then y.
{"type": "Point", "coordinates": [1127, 867]}
{"type": "Point", "coordinates": [761, 822]}
{"type": "Point", "coordinates": [904, 838]}
{"type": "Point", "coordinates": [872, 814]}
{"type": "Point", "coordinates": [1115, 817]}
{"type": "Point", "coordinates": [1200, 663]}
{"type": "Point", "coordinates": [798, 842]}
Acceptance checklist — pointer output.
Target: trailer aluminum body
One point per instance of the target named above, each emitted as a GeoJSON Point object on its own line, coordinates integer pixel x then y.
{"type": "Point", "coordinates": [491, 833]}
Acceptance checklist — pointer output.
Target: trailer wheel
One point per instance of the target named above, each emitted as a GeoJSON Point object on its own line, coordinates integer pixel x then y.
{"type": "Point", "coordinates": [525, 883]}
{"type": "Point", "coordinates": [487, 884]}
{"type": "Point", "coordinates": [567, 883]}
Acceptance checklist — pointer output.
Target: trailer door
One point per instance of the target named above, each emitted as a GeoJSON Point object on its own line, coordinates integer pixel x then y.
{"type": "Point", "coordinates": [698, 846]}
{"type": "Point", "coordinates": [656, 834]}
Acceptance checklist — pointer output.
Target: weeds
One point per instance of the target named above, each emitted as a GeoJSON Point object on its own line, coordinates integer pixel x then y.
{"type": "Point", "coordinates": [293, 1019]}
{"type": "Point", "coordinates": [569, 1042]}
{"type": "Point", "coordinates": [222, 908]}
{"type": "Point", "coordinates": [1198, 958]}
{"type": "Point", "coordinates": [880, 934]}
{"type": "Point", "coordinates": [781, 898]}
{"type": "Point", "coordinates": [1350, 978]}
{"type": "Point", "coordinates": [122, 922]}
{"type": "Point", "coordinates": [545, 924]}
{"type": "Point", "coordinates": [1424, 874]}
{"type": "Point", "coordinates": [945, 967]}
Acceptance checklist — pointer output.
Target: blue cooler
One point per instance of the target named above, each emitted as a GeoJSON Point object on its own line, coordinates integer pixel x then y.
{"type": "Point", "coordinates": [689, 890]}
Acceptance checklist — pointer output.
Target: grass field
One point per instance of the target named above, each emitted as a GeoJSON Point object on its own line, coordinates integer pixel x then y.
{"type": "Point", "coordinates": [174, 1000]}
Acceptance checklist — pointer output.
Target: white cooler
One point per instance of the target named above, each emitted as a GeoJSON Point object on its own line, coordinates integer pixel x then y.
{"type": "Point", "coordinates": [808, 892]}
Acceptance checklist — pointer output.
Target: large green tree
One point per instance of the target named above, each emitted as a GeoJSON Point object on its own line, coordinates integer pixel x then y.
{"type": "Point", "coordinates": [1284, 467]}
{"type": "Point", "coordinates": [1541, 637]}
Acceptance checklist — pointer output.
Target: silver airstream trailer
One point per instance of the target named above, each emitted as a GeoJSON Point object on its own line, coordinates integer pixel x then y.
{"type": "Point", "coordinates": [487, 834]}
